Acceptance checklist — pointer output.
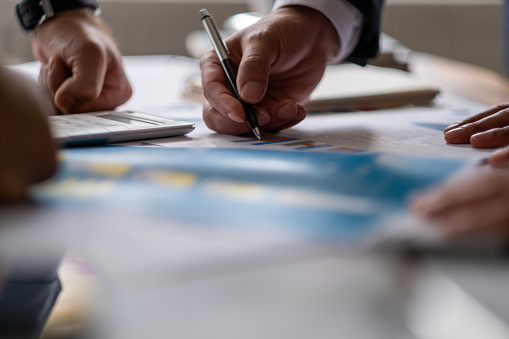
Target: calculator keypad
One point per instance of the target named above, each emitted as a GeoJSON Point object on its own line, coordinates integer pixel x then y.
{"type": "Point", "coordinates": [91, 128]}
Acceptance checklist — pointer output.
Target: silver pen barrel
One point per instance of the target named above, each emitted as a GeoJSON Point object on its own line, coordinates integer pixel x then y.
{"type": "Point", "coordinates": [213, 33]}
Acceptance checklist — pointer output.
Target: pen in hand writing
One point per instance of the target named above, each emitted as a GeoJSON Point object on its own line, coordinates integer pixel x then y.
{"type": "Point", "coordinates": [224, 56]}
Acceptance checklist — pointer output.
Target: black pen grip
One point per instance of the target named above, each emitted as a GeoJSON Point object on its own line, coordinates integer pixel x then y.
{"type": "Point", "coordinates": [231, 74]}
{"type": "Point", "coordinates": [249, 110]}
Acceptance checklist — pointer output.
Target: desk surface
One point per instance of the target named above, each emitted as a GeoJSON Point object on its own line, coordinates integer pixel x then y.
{"type": "Point", "coordinates": [469, 81]}
{"type": "Point", "coordinates": [180, 281]}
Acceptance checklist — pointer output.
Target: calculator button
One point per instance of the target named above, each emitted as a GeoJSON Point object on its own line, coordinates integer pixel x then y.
{"type": "Point", "coordinates": [94, 129]}
{"type": "Point", "coordinates": [90, 119]}
{"type": "Point", "coordinates": [62, 122]}
{"type": "Point", "coordinates": [58, 128]}
{"type": "Point", "coordinates": [72, 132]}
{"type": "Point", "coordinates": [117, 128]}
{"type": "Point", "coordinates": [88, 128]}
{"type": "Point", "coordinates": [97, 121]}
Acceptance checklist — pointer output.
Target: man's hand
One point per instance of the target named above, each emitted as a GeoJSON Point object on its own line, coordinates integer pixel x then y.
{"type": "Point", "coordinates": [27, 152]}
{"type": "Point", "coordinates": [280, 60]}
{"type": "Point", "coordinates": [474, 201]}
{"type": "Point", "coordinates": [81, 64]}
{"type": "Point", "coordinates": [488, 129]}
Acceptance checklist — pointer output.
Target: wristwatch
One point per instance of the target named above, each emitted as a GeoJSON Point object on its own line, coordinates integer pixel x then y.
{"type": "Point", "coordinates": [31, 13]}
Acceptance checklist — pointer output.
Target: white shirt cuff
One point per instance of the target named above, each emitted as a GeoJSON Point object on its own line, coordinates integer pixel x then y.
{"type": "Point", "coordinates": [343, 15]}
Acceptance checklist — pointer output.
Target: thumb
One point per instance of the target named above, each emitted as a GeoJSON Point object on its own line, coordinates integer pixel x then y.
{"type": "Point", "coordinates": [254, 71]}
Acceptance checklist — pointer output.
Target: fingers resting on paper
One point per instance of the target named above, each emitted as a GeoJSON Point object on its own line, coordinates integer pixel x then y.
{"type": "Point", "coordinates": [474, 201]}
{"type": "Point", "coordinates": [488, 129]}
{"type": "Point", "coordinates": [477, 200]}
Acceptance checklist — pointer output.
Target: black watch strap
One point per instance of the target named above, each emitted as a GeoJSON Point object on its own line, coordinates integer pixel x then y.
{"type": "Point", "coordinates": [32, 12]}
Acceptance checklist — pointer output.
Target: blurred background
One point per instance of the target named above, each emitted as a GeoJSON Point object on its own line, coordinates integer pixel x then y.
{"type": "Point", "coordinates": [395, 304]}
{"type": "Point", "coordinates": [464, 30]}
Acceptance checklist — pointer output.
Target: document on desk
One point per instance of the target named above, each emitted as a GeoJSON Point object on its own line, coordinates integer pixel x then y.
{"type": "Point", "coordinates": [331, 198]}
{"type": "Point", "coordinates": [160, 88]}
{"type": "Point", "coordinates": [411, 130]}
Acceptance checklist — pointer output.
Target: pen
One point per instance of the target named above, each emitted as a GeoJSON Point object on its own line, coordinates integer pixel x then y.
{"type": "Point", "coordinates": [224, 56]}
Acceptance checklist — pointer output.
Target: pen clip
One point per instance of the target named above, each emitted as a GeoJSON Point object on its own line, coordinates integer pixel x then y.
{"type": "Point", "coordinates": [225, 47]}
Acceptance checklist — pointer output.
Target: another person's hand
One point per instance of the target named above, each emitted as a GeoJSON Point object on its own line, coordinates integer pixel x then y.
{"type": "Point", "coordinates": [473, 202]}
{"type": "Point", "coordinates": [500, 158]}
{"type": "Point", "coordinates": [488, 129]}
{"type": "Point", "coordinates": [27, 153]}
{"type": "Point", "coordinates": [81, 65]}
{"type": "Point", "coordinates": [280, 60]}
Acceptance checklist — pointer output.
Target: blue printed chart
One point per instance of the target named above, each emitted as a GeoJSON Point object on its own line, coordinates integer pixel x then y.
{"type": "Point", "coordinates": [324, 196]}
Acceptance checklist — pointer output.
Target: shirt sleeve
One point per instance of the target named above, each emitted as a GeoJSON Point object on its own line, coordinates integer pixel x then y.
{"type": "Point", "coordinates": [345, 17]}
{"type": "Point", "coordinates": [25, 307]}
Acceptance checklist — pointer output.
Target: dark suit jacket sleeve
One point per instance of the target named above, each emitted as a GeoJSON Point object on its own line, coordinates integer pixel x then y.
{"type": "Point", "coordinates": [368, 44]}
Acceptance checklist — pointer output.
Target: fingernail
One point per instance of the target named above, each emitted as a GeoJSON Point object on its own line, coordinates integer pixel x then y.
{"type": "Point", "coordinates": [288, 111]}
{"type": "Point", "coordinates": [252, 91]}
{"type": "Point", "coordinates": [302, 113]}
{"type": "Point", "coordinates": [452, 126]}
{"type": "Point", "coordinates": [456, 133]}
{"type": "Point", "coordinates": [235, 118]}
{"type": "Point", "coordinates": [483, 137]}
{"type": "Point", "coordinates": [263, 117]}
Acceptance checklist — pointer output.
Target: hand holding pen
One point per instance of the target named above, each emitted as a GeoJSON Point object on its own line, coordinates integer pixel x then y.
{"type": "Point", "coordinates": [230, 71]}
{"type": "Point", "coordinates": [280, 59]}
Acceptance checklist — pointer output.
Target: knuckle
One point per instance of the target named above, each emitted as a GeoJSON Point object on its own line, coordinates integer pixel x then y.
{"type": "Point", "coordinates": [254, 61]}
{"type": "Point", "coordinates": [262, 37]}
{"type": "Point", "coordinates": [92, 49]}
{"type": "Point", "coordinates": [255, 36]}
{"type": "Point", "coordinates": [207, 58]}
{"type": "Point", "coordinates": [478, 126]}
{"type": "Point", "coordinates": [88, 94]}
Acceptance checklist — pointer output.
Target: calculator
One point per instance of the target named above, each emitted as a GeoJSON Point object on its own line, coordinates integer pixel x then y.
{"type": "Point", "coordinates": [85, 129]}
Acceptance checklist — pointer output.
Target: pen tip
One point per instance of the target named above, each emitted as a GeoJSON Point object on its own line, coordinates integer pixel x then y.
{"type": "Point", "coordinates": [257, 133]}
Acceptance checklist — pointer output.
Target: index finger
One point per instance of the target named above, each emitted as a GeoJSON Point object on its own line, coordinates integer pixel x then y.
{"type": "Point", "coordinates": [479, 116]}
{"type": "Point", "coordinates": [490, 122]}
{"type": "Point", "coordinates": [217, 90]}
{"type": "Point", "coordinates": [466, 187]}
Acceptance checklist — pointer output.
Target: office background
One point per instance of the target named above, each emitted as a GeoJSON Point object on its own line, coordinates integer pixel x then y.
{"type": "Point", "coordinates": [465, 30]}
